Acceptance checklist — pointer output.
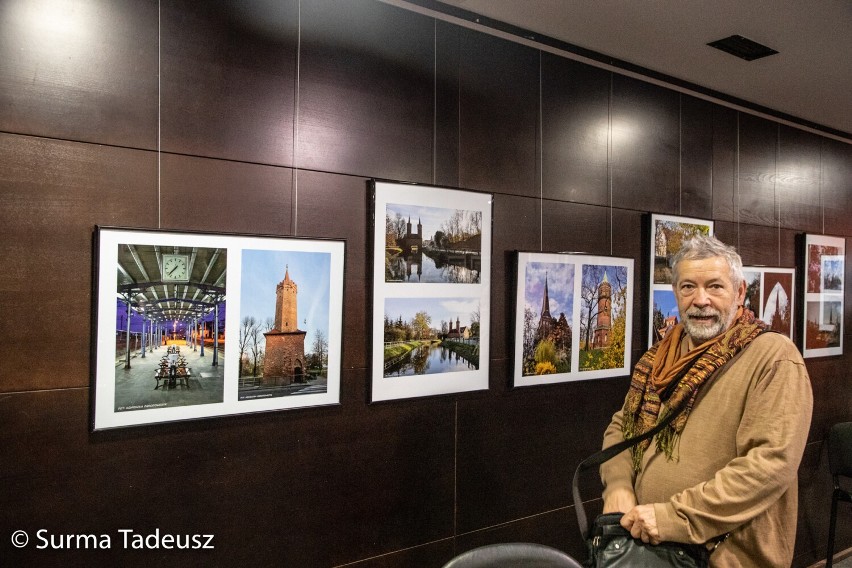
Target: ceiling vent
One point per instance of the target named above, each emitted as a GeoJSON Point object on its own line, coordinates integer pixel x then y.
{"type": "Point", "coordinates": [742, 47]}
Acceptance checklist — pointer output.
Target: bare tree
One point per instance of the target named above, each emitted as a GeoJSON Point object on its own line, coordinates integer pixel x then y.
{"type": "Point", "coordinates": [247, 328]}
{"type": "Point", "coordinates": [474, 322]}
{"type": "Point", "coordinates": [592, 276]}
{"type": "Point", "coordinates": [320, 346]}
{"type": "Point", "coordinates": [256, 347]}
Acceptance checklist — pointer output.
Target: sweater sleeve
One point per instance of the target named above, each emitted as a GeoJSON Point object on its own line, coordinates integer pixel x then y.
{"type": "Point", "coordinates": [770, 441]}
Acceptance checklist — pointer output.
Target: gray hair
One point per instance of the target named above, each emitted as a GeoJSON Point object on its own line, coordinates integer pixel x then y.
{"type": "Point", "coordinates": [701, 247]}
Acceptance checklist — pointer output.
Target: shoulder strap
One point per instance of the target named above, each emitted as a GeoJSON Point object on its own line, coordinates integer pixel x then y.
{"type": "Point", "coordinates": [607, 454]}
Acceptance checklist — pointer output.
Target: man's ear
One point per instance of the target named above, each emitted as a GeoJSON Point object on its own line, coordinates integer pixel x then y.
{"type": "Point", "coordinates": [741, 293]}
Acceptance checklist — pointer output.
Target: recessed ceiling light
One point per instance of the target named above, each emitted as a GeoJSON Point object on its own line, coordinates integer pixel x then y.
{"type": "Point", "coordinates": [742, 47]}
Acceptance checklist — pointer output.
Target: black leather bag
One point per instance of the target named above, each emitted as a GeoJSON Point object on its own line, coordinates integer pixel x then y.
{"type": "Point", "coordinates": [611, 546]}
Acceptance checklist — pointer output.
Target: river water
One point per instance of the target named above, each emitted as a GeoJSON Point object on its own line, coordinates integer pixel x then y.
{"type": "Point", "coordinates": [429, 359]}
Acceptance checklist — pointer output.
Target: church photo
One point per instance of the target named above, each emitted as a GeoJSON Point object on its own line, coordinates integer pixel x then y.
{"type": "Point", "coordinates": [571, 317]}
{"type": "Point", "coordinates": [432, 244]}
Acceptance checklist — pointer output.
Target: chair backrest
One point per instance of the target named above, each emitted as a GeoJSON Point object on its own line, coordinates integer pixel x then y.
{"type": "Point", "coordinates": [840, 449]}
{"type": "Point", "coordinates": [515, 555]}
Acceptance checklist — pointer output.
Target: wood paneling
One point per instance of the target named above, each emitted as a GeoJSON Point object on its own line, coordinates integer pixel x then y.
{"type": "Point", "coordinates": [529, 436]}
{"type": "Point", "coordinates": [218, 196]}
{"type": "Point", "coordinates": [645, 142]}
{"type": "Point", "coordinates": [575, 131]}
{"type": "Point", "coordinates": [798, 189]}
{"type": "Point", "coordinates": [446, 148]}
{"type": "Point", "coordinates": [516, 226]}
{"type": "Point", "coordinates": [54, 193]}
{"type": "Point", "coordinates": [295, 474]}
{"type": "Point", "coordinates": [757, 168]}
{"type": "Point", "coordinates": [498, 110]}
{"type": "Point", "coordinates": [366, 90]}
{"type": "Point", "coordinates": [836, 187]}
{"type": "Point", "coordinates": [82, 71]}
{"type": "Point", "coordinates": [333, 206]}
{"type": "Point", "coordinates": [229, 80]}
{"type": "Point", "coordinates": [696, 157]}
{"type": "Point", "coordinates": [725, 144]}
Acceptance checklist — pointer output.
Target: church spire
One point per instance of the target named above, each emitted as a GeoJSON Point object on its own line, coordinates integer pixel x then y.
{"type": "Point", "coordinates": [545, 302]}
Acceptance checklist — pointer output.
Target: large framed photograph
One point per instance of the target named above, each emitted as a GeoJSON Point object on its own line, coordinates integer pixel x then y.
{"type": "Point", "coordinates": [194, 325]}
{"type": "Point", "coordinates": [573, 316]}
{"type": "Point", "coordinates": [431, 290]}
{"type": "Point", "coordinates": [824, 271]}
{"type": "Point", "coordinates": [770, 294]}
{"type": "Point", "coordinates": [668, 233]}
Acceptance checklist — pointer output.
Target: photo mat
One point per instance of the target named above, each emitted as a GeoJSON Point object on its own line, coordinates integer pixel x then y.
{"type": "Point", "coordinates": [771, 294]}
{"type": "Point", "coordinates": [573, 316]}
{"type": "Point", "coordinates": [824, 275]}
{"type": "Point", "coordinates": [431, 290]}
{"type": "Point", "coordinates": [193, 325]}
{"type": "Point", "coordinates": [667, 235]}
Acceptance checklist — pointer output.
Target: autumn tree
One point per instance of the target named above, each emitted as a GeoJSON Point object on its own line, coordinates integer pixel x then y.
{"type": "Point", "coordinates": [421, 325]}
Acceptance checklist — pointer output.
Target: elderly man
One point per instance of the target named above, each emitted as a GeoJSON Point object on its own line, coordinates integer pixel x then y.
{"type": "Point", "coordinates": [724, 470]}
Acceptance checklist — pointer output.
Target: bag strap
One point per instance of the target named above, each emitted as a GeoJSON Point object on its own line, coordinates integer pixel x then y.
{"type": "Point", "coordinates": [607, 454]}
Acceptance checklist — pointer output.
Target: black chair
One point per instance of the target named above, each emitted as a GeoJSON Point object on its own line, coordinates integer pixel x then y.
{"type": "Point", "coordinates": [514, 555]}
{"type": "Point", "coordinates": [839, 464]}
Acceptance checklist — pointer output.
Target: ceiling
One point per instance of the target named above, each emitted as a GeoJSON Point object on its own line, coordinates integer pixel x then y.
{"type": "Point", "coordinates": [810, 78]}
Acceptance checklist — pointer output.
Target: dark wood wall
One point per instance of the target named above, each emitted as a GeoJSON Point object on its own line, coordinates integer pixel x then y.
{"type": "Point", "coordinates": [270, 118]}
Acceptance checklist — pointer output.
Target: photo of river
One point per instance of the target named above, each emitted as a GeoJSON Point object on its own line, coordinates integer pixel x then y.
{"type": "Point", "coordinates": [424, 336]}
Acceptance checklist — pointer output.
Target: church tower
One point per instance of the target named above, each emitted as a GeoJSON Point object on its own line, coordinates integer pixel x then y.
{"type": "Point", "coordinates": [545, 322]}
{"type": "Point", "coordinates": [604, 318]}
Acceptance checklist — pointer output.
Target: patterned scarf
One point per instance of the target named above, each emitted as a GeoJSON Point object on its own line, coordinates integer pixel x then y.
{"type": "Point", "coordinates": [659, 366]}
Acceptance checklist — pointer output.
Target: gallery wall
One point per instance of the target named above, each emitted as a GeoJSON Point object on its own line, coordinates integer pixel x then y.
{"type": "Point", "coordinates": [271, 117]}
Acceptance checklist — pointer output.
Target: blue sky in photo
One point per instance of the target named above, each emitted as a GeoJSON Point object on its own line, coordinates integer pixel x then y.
{"type": "Point", "coordinates": [665, 300]}
{"type": "Point", "coordinates": [560, 287]}
{"type": "Point", "coordinates": [614, 274]}
{"type": "Point", "coordinates": [262, 270]}
{"type": "Point", "coordinates": [439, 309]}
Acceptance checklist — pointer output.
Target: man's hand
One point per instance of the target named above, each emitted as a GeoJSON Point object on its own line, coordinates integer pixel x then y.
{"type": "Point", "coordinates": [641, 521]}
{"type": "Point", "coordinates": [619, 501]}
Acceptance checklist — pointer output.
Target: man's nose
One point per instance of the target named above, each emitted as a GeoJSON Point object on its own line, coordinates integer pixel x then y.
{"type": "Point", "coordinates": [700, 298]}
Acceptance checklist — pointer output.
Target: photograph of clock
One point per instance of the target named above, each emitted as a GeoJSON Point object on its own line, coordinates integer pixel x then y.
{"type": "Point", "coordinates": [175, 268]}
{"type": "Point", "coordinates": [196, 325]}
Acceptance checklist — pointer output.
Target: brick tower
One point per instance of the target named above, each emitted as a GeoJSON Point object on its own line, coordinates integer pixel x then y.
{"type": "Point", "coordinates": [284, 362]}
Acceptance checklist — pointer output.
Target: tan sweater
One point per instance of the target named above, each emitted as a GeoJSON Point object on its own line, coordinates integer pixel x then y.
{"type": "Point", "coordinates": [736, 464]}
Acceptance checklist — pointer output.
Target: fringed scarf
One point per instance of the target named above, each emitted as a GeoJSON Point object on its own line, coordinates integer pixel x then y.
{"type": "Point", "coordinates": [661, 365]}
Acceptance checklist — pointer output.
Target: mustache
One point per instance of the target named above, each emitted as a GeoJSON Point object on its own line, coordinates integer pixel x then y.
{"type": "Point", "coordinates": [703, 312]}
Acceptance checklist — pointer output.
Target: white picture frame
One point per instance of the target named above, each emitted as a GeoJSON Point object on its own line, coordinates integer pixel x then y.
{"type": "Point", "coordinates": [431, 290]}
{"type": "Point", "coordinates": [573, 317]}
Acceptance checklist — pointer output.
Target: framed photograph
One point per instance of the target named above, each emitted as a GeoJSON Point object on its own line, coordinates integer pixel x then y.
{"type": "Point", "coordinates": [431, 290]}
{"type": "Point", "coordinates": [667, 235]}
{"type": "Point", "coordinates": [822, 331]}
{"type": "Point", "coordinates": [770, 294]}
{"type": "Point", "coordinates": [194, 325]}
{"type": "Point", "coordinates": [573, 314]}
